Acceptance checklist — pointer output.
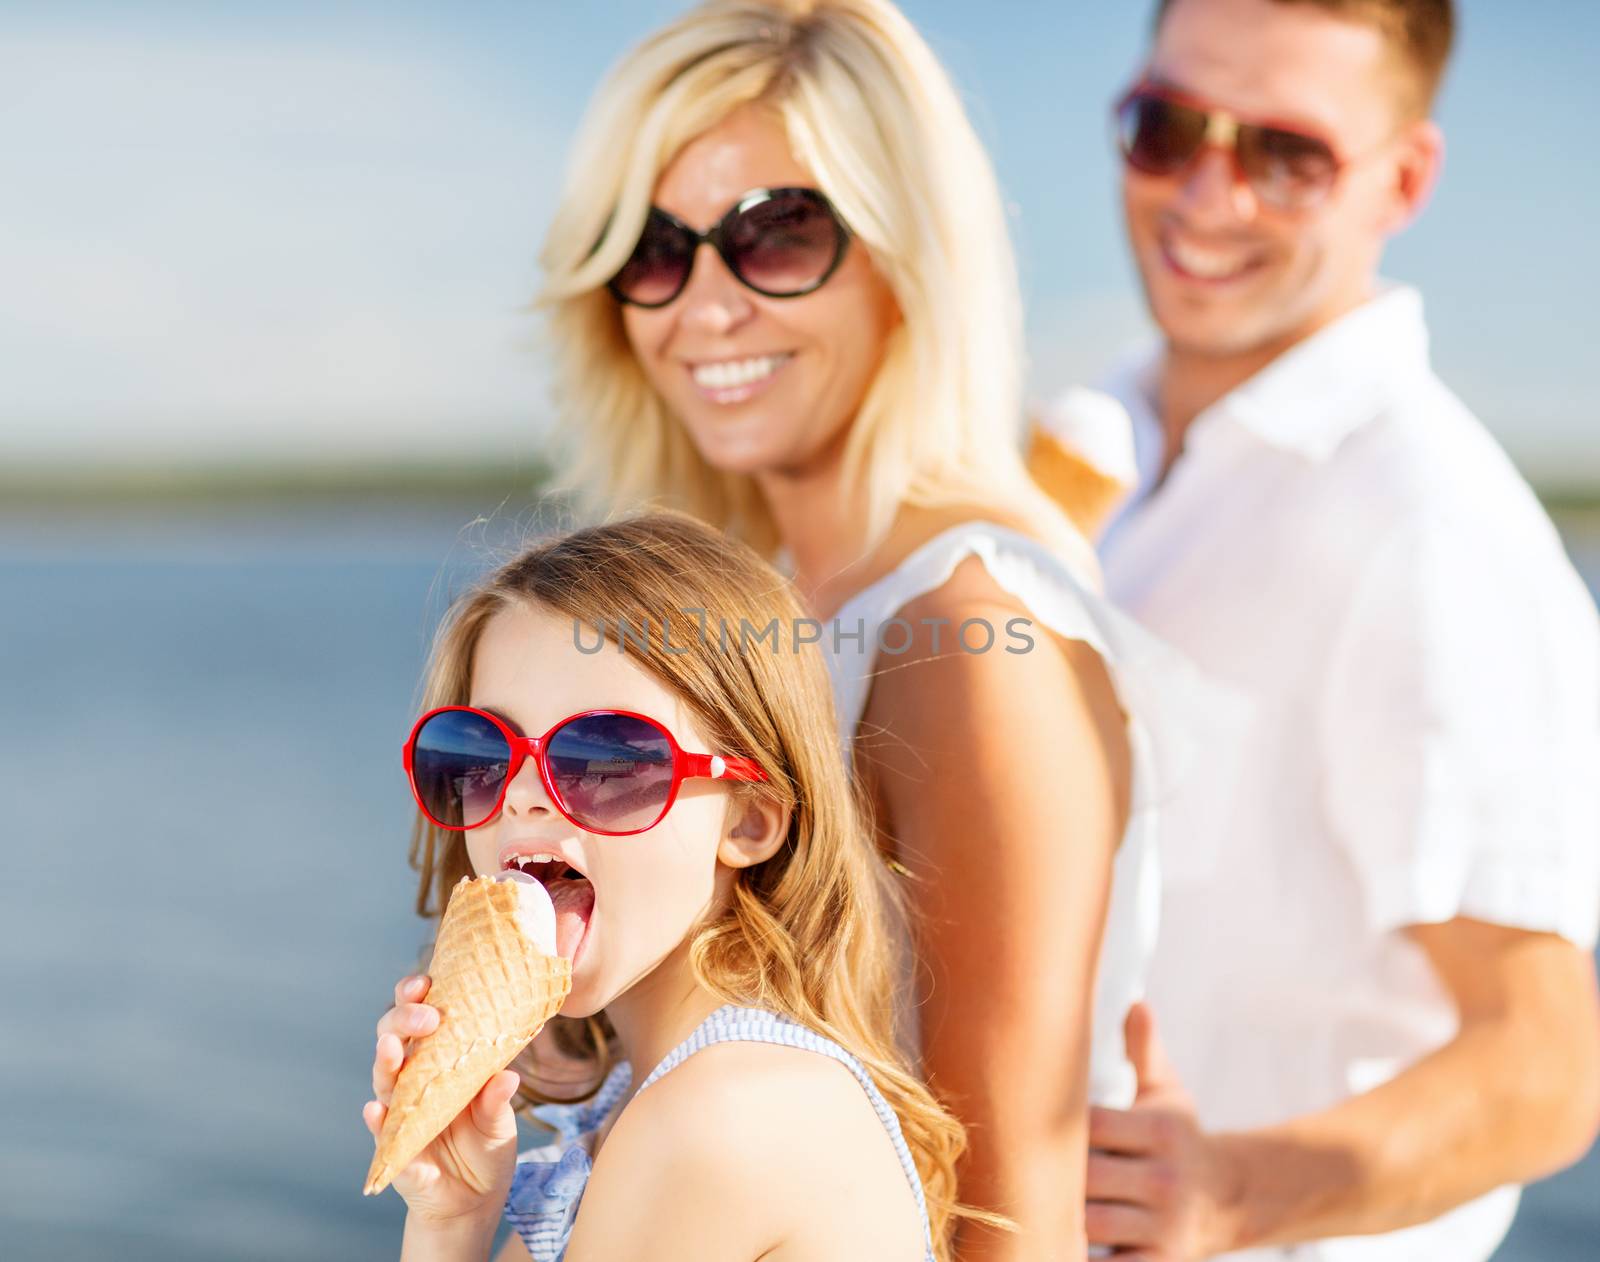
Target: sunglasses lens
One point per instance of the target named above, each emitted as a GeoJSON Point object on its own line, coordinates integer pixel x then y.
{"type": "Point", "coordinates": [784, 245]}
{"type": "Point", "coordinates": [458, 767]}
{"type": "Point", "coordinates": [659, 265]}
{"type": "Point", "coordinates": [612, 772]}
{"type": "Point", "coordinates": [1286, 168]}
{"type": "Point", "coordinates": [1159, 136]}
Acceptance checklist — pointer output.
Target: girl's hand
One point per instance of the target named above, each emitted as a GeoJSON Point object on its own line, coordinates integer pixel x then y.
{"type": "Point", "coordinates": [466, 1172]}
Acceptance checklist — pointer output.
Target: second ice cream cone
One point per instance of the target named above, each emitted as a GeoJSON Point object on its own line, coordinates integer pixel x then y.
{"type": "Point", "coordinates": [1080, 450]}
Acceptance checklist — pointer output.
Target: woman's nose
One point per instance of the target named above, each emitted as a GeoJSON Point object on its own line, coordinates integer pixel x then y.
{"type": "Point", "coordinates": [714, 301]}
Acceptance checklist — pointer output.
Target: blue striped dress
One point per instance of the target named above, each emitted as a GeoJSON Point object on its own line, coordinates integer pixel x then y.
{"type": "Point", "coordinates": [549, 1180]}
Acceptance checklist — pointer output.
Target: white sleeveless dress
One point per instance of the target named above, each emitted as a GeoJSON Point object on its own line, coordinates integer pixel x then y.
{"type": "Point", "coordinates": [1161, 693]}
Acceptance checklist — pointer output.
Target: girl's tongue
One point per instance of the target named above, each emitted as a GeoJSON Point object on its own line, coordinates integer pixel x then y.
{"type": "Point", "coordinates": [574, 904]}
{"type": "Point", "coordinates": [554, 914]}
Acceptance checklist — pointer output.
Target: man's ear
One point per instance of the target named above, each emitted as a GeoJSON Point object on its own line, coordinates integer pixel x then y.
{"type": "Point", "coordinates": [753, 829]}
{"type": "Point", "coordinates": [1421, 160]}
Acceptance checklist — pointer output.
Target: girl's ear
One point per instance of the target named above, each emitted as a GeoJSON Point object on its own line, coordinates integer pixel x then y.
{"type": "Point", "coordinates": [754, 828]}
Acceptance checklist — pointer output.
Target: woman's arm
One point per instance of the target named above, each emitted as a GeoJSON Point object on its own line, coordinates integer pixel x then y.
{"type": "Point", "coordinates": [1004, 778]}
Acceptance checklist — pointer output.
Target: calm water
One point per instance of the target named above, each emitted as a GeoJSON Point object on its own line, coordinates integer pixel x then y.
{"type": "Point", "coordinates": [207, 898]}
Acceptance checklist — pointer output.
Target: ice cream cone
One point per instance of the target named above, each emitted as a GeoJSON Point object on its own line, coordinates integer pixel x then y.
{"type": "Point", "coordinates": [495, 985]}
{"type": "Point", "coordinates": [1087, 495]}
{"type": "Point", "coordinates": [1080, 450]}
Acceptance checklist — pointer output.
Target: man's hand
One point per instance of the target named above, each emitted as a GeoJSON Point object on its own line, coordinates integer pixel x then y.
{"type": "Point", "coordinates": [1513, 1097]}
{"type": "Point", "coordinates": [1159, 1188]}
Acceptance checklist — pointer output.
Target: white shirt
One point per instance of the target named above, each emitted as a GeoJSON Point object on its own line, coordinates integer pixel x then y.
{"type": "Point", "coordinates": [1161, 694]}
{"type": "Point", "coordinates": [1343, 543]}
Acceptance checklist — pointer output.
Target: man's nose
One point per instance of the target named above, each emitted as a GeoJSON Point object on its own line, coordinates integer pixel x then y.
{"type": "Point", "coordinates": [1213, 193]}
{"type": "Point", "coordinates": [714, 301]}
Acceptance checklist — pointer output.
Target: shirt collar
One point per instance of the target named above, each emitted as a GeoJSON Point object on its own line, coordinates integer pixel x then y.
{"type": "Point", "coordinates": [1323, 388]}
{"type": "Point", "coordinates": [1317, 392]}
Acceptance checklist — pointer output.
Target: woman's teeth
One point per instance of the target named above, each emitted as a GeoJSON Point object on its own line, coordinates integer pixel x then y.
{"type": "Point", "coordinates": [727, 373]}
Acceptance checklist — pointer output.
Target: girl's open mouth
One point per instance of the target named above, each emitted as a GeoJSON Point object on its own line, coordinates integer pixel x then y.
{"type": "Point", "coordinates": [571, 894]}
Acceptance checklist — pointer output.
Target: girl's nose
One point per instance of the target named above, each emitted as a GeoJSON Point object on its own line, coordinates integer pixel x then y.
{"type": "Point", "coordinates": [525, 795]}
{"type": "Point", "coordinates": [714, 301]}
{"type": "Point", "coordinates": [1214, 193]}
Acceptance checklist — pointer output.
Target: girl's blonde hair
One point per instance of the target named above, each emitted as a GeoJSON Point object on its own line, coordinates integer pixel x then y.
{"type": "Point", "coordinates": [810, 932]}
{"type": "Point", "coordinates": [873, 116]}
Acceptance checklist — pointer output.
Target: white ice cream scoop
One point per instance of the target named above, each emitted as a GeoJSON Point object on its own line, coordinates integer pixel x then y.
{"type": "Point", "coordinates": [535, 912]}
{"type": "Point", "coordinates": [1097, 428]}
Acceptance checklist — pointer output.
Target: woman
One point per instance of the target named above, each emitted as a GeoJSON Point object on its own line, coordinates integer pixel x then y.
{"type": "Point", "coordinates": [836, 380]}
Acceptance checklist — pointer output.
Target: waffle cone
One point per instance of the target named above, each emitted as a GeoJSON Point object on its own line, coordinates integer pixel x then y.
{"type": "Point", "coordinates": [1087, 495]}
{"type": "Point", "coordinates": [494, 989]}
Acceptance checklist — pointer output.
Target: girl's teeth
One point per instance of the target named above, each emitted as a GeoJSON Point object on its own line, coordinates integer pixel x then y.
{"type": "Point", "coordinates": [728, 373]}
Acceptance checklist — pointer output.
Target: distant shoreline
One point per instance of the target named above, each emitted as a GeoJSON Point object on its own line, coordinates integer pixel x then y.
{"type": "Point", "coordinates": [211, 487]}
{"type": "Point", "coordinates": [207, 489]}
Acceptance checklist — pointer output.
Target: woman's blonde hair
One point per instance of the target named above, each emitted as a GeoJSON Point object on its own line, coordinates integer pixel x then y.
{"type": "Point", "coordinates": [810, 932]}
{"type": "Point", "coordinates": [873, 116]}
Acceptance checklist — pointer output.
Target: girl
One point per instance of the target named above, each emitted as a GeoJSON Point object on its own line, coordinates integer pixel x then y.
{"type": "Point", "coordinates": [732, 970]}
{"type": "Point", "coordinates": [836, 379]}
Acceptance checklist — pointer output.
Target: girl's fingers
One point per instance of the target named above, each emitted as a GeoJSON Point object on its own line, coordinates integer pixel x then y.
{"type": "Point", "coordinates": [409, 1020]}
{"type": "Point", "coordinates": [503, 1087]}
{"type": "Point", "coordinates": [410, 989]}
{"type": "Point", "coordinates": [489, 1112]}
{"type": "Point", "coordinates": [386, 1062]}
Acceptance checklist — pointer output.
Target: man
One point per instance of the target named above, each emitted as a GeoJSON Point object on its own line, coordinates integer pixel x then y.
{"type": "Point", "coordinates": [1375, 982]}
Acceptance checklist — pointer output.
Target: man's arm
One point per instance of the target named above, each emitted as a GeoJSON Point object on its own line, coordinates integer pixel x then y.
{"type": "Point", "coordinates": [1513, 1097]}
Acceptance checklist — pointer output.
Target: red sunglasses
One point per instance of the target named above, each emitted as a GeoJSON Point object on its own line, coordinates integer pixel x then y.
{"type": "Point", "coordinates": [1161, 131]}
{"type": "Point", "coordinates": [607, 771]}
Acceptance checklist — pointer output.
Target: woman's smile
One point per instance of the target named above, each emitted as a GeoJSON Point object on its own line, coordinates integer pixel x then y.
{"type": "Point", "coordinates": [735, 380]}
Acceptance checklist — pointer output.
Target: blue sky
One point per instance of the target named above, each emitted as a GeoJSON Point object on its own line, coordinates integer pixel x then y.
{"type": "Point", "coordinates": [240, 230]}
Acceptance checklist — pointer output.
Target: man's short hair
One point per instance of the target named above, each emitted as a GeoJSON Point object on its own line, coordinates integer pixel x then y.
{"type": "Point", "coordinates": [1420, 32]}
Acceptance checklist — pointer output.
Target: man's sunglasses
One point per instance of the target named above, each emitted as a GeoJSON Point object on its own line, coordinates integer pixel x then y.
{"type": "Point", "coordinates": [607, 771]}
{"type": "Point", "coordinates": [781, 242]}
{"type": "Point", "coordinates": [1160, 132]}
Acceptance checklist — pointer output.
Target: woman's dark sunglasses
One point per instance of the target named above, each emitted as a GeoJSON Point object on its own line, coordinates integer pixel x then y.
{"type": "Point", "coordinates": [1160, 132]}
{"type": "Point", "coordinates": [781, 242]}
